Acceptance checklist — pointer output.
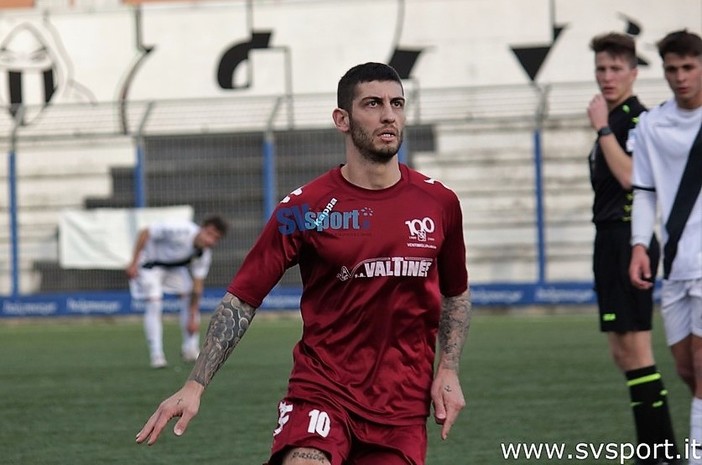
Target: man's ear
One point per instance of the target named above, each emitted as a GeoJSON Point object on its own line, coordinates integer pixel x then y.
{"type": "Point", "coordinates": [341, 119]}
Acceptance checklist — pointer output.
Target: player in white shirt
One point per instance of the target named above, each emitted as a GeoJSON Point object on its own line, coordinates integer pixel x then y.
{"type": "Point", "coordinates": [665, 167]}
{"type": "Point", "coordinates": [173, 258]}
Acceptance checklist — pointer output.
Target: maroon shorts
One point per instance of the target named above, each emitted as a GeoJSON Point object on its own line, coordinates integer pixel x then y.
{"type": "Point", "coordinates": [345, 439]}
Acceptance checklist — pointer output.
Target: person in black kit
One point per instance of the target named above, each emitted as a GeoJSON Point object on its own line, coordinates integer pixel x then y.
{"type": "Point", "coordinates": [625, 312]}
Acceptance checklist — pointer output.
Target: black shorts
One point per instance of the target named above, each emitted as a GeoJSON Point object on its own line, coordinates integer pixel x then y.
{"type": "Point", "coordinates": [622, 307]}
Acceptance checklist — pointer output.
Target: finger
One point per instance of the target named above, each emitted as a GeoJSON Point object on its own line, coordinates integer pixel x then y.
{"type": "Point", "coordinates": [157, 427]}
{"type": "Point", "coordinates": [186, 413]}
{"type": "Point", "coordinates": [439, 412]}
{"type": "Point", "coordinates": [644, 276]}
{"type": "Point", "coordinates": [453, 410]}
{"type": "Point", "coordinates": [182, 424]}
{"type": "Point", "coordinates": [641, 284]}
{"type": "Point", "coordinates": [446, 428]}
{"type": "Point", "coordinates": [143, 434]}
{"type": "Point", "coordinates": [147, 429]}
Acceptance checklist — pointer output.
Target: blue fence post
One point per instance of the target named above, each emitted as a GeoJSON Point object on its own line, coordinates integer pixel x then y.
{"type": "Point", "coordinates": [139, 183]}
{"type": "Point", "coordinates": [402, 152]}
{"type": "Point", "coordinates": [140, 168]}
{"type": "Point", "coordinates": [270, 181]}
{"type": "Point", "coordinates": [12, 187]}
{"type": "Point", "coordinates": [269, 175]}
{"type": "Point", "coordinates": [14, 237]}
{"type": "Point", "coordinates": [540, 221]}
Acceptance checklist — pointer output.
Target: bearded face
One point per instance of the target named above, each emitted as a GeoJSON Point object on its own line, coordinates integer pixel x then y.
{"type": "Point", "coordinates": [371, 143]}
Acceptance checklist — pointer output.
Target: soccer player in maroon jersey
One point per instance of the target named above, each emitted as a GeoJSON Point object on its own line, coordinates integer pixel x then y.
{"type": "Point", "coordinates": [383, 265]}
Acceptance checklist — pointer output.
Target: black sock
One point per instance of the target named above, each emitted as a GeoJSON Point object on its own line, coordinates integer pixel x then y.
{"type": "Point", "coordinates": [649, 402]}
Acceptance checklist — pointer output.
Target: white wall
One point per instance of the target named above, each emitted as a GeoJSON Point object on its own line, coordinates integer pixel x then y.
{"type": "Point", "coordinates": [93, 53]}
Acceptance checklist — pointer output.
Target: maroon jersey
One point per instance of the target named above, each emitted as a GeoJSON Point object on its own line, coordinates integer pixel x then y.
{"type": "Point", "coordinates": [374, 265]}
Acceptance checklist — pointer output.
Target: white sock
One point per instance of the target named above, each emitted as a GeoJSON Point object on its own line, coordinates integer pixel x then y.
{"type": "Point", "coordinates": [153, 327]}
{"type": "Point", "coordinates": [696, 432]}
{"type": "Point", "coordinates": [191, 342]}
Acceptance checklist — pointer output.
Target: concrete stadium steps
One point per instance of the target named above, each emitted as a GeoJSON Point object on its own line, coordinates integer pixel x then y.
{"type": "Point", "coordinates": [52, 177]}
{"type": "Point", "coordinates": [60, 175]}
{"type": "Point", "coordinates": [509, 139]}
{"type": "Point", "coordinates": [38, 241]}
{"type": "Point", "coordinates": [490, 166]}
{"type": "Point", "coordinates": [180, 186]}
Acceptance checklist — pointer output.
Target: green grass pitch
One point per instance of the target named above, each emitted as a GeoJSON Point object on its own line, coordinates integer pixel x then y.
{"type": "Point", "coordinates": [76, 393]}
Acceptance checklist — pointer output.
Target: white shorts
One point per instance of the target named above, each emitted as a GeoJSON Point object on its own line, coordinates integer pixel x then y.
{"type": "Point", "coordinates": [681, 308]}
{"type": "Point", "coordinates": [154, 282]}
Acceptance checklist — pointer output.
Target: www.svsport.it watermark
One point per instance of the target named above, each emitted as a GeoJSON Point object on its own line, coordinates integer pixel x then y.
{"type": "Point", "coordinates": [611, 451]}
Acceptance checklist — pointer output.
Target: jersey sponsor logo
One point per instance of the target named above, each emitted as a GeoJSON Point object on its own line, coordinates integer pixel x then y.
{"type": "Point", "coordinates": [419, 228]}
{"type": "Point", "coordinates": [388, 266]}
{"type": "Point", "coordinates": [302, 218]}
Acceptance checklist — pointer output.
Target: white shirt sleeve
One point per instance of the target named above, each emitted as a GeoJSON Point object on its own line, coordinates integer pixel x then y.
{"type": "Point", "coordinates": [643, 217]}
{"type": "Point", "coordinates": [200, 267]}
{"type": "Point", "coordinates": [642, 175]}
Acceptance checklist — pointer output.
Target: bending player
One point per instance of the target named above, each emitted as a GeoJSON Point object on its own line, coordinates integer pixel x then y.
{"type": "Point", "coordinates": [174, 258]}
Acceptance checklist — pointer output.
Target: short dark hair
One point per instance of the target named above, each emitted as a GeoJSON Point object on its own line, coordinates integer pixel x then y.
{"type": "Point", "coordinates": [219, 223]}
{"type": "Point", "coordinates": [617, 45]}
{"type": "Point", "coordinates": [366, 72]}
{"type": "Point", "coordinates": [681, 43]}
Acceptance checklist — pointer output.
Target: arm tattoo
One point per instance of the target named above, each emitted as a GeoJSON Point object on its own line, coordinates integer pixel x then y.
{"type": "Point", "coordinates": [453, 328]}
{"type": "Point", "coordinates": [229, 322]}
{"type": "Point", "coordinates": [309, 455]}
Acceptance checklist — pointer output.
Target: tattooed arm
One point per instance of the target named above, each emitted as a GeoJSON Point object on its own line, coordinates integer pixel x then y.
{"type": "Point", "coordinates": [229, 322]}
{"type": "Point", "coordinates": [446, 392]}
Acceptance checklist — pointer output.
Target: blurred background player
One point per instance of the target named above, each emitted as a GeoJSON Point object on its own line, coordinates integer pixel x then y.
{"type": "Point", "coordinates": [173, 258]}
{"type": "Point", "coordinates": [625, 312]}
{"type": "Point", "coordinates": [383, 265]}
{"type": "Point", "coordinates": [667, 181]}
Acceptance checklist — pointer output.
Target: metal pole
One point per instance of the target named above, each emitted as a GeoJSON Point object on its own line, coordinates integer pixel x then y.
{"type": "Point", "coordinates": [139, 188]}
{"type": "Point", "coordinates": [12, 186]}
{"type": "Point", "coordinates": [539, 187]}
{"type": "Point", "coordinates": [289, 87]}
{"type": "Point", "coordinates": [14, 249]}
{"type": "Point", "coordinates": [270, 182]}
{"type": "Point", "coordinates": [413, 94]}
{"type": "Point", "coordinates": [402, 152]}
{"type": "Point", "coordinates": [269, 175]}
{"type": "Point", "coordinates": [540, 223]}
{"type": "Point", "coordinates": [140, 168]}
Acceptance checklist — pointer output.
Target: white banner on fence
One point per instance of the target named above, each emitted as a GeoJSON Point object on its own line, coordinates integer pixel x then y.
{"type": "Point", "coordinates": [103, 238]}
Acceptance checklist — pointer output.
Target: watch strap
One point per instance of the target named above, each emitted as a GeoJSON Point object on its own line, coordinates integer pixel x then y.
{"type": "Point", "coordinates": [604, 131]}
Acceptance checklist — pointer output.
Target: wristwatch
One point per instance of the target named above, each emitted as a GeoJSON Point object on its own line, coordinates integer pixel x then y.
{"type": "Point", "coordinates": [604, 131]}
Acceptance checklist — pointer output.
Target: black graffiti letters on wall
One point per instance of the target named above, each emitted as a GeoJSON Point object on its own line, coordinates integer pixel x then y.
{"type": "Point", "coordinates": [403, 60]}
{"type": "Point", "coordinates": [238, 54]}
